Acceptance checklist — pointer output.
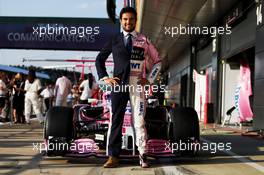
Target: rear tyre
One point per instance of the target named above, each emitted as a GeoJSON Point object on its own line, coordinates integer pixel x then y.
{"type": "Point", "coordinates": [185, 129]}
{"type": "Point", "coordinates": [58, 130]}
{"type": "Point", "coordinates": [156, 122]}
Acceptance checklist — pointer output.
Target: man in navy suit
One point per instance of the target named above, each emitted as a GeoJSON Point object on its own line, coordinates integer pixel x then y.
{"type": "Point", "coordinates": [133, 57]}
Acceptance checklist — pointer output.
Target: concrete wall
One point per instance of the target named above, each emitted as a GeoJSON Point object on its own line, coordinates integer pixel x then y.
{"type": "Point", "coordinates": [180, 67]}
{"type": "Point", "coordinates": [204, 57]}
{"type": "Point", "coordinates": [258, 122]}
{"type": "Point", "coordinates": [242, 36]}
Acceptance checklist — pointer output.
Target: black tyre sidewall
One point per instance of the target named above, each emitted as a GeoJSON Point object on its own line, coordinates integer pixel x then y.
{"type": "Point", "coordinates": [59, 123]}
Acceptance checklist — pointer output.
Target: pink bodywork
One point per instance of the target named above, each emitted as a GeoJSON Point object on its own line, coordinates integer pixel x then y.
{"type": "Point", "coordinates": [245, 112]}
{"type": "Point", "coordinates": [152, 58]}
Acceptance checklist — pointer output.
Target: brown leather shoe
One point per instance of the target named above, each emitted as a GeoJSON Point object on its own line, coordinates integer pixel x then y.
{"type": "Point", "coordinates": [112, 162]}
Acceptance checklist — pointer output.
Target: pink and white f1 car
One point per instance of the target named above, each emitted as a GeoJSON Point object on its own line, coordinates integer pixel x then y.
{"type": "Point", "coordinates": [81, 131]}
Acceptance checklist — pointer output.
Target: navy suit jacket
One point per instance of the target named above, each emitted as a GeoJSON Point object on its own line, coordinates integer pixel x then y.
{"type": "Point", "coordinates": [121, 58]}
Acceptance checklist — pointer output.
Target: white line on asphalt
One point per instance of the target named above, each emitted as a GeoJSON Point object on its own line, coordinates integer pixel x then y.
{"type": "Point", "coordinates": [241, 158]}
{"type": "Point", "coordinates": [173, 170]}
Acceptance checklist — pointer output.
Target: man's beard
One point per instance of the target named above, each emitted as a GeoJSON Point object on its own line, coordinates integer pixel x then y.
{"type": "Point", "coordinates": [131, 30]}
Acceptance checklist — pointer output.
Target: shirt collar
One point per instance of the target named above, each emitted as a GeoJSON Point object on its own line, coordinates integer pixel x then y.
{"type": "Point", "coordinates": [134, 33]}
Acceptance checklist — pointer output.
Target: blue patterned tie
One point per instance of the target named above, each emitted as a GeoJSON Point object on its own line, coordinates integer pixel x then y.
{"type": "Point", "coordinates": [129, 43]}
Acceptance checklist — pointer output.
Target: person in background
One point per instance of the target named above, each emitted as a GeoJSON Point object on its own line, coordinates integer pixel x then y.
{"type": "Point", "coordinates": [7, 110]}
{"type": "Point", "coordinates": [48, 94]}
{"type": "Point", "coordinates": [62, 89]}
{"type": "Point", "coordinates": [75, 94]}
{"type": "Point", "coordinates": [88, 88]}
{"type": "Point", "coordinates": [33, 89]}
{"type": "Point", "coordinates": [3, 95]}
{"type": "Point", "coordinates": [18, 85]}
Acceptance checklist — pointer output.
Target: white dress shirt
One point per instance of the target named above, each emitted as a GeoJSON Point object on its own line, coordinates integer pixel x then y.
{"type": "Point", "coordinates": [63, 87]}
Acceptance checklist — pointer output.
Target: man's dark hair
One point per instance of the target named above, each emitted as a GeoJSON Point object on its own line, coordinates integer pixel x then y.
{"type": "Point", "coordinates": [31, 75]}
{"type": "Point", "coordinates": [90, 79]}
{"type": "Point", "coordinates": [128, 10]}
{"type": "Point", "coordinates": [64, 73]}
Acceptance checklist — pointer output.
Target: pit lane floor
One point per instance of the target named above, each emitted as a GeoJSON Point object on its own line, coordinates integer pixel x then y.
{"type": "Point", "coordinates": [18, 156]}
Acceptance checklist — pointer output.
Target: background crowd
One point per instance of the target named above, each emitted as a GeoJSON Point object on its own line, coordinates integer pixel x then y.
{"type": "Point", "coordinates": [25, 96]}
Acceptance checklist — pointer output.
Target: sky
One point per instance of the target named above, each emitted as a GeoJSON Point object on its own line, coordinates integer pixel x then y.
{"type": "Point", "coordinates": [50, 8]}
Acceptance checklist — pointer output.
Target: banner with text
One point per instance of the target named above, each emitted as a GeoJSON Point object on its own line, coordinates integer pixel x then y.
{"type": "Point", "coordinates": [56, 33]}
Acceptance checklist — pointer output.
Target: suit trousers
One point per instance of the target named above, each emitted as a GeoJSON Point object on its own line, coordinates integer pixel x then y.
{"type": "Point", "coordinates": [119, 103]}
